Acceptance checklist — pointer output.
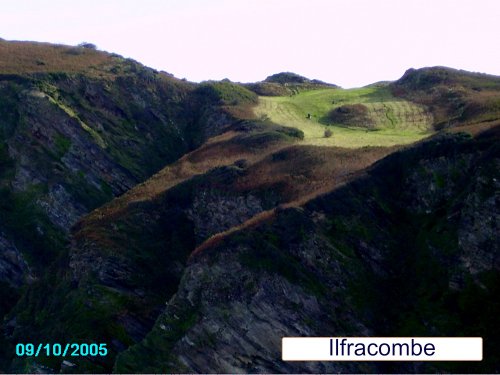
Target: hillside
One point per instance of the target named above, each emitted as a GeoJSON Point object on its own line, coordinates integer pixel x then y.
{"type": "Point", "coordinates": [190, 226]}
{"type": "Point", "coordinates": [410, 248]}
{"type": "Point", "coordinates": [402, 112]}
{"type": "Point", "coordinates": [385, 121]}
{"type": "Point", "coordinates": [77, 131]}
{"type": "Point", "coordinates": [153, 229]}
{"type": "Point", "coordinates": [454, 97]}
{"type": "Point", "coordinates": [71, 141]}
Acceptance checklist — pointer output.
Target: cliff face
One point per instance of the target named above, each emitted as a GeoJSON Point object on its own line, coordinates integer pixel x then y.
{"type": "Point", "coordinates": [408, 249]}
{"type": "Point", "coordinates": [78, 129]}
{"type": "Point", "coordinates": [81, 140]}
{"type": "Point", "coordinates": [74, 136]}
{"type": "Point", "coordinates": [68, 144]}
{"type": "Point", "coordinates": [13, 267]}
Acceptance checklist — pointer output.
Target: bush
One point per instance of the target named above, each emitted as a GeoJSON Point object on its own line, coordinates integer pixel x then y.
{"type": "Point", "coordinates": [328, 133]}
{"type": "Point", "coordinates": [87, 45]}
{"type": "Point", "coordinates": [351, 114]}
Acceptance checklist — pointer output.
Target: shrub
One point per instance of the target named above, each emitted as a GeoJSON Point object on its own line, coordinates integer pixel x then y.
{"type": "Point", "coordinates": [328, 133]}
{"type": "Point", "coordinates": [62, 145]}
{"type": "Point", "coordinates": [351, 114]}
{"type": "Point", "coordinates": [87, 45]}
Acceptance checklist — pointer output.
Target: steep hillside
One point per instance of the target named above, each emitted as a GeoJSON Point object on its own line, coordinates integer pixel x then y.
{"type": "Point", "coordinates": [75, 137]}
{"type": "Point", "coordinates": [79, 127]}
{"type": "Point", "coordinates": [409, 249]}
{"type": "Point", "coordinates": [127, 258]}
{"type": "Point", "coordinates": [70, 142]}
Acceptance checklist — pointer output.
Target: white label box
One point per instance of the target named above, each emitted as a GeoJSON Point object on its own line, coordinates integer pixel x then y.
{"type": "Point", "coordinates": [382, 349]}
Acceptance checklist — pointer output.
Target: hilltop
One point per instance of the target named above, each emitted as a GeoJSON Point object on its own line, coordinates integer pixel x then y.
{"type": "Point", "coordinates": [412, 108]}
{"type": "Point", "coordinates": [355, 117]}
{"type": "Point", "coordinates": [34, 57]}
{"type": "Point", "coordinates": [455, 97]}
{"type": "Point", "coordinates": [286, 83]}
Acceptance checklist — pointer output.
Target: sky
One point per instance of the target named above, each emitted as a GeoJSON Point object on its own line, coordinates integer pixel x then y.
{"type": "Point", "coordinates": [351, 43]}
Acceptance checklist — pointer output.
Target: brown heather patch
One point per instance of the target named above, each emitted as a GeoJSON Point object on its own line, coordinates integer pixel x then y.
{"type": "Point", "coordinates": [304, 173]}
{"type": "Point", "coordinates": [218, 151]}
{"type": "Point", "coordinates": [476, 128]}
{"type": "Point", "coordinates": [479, 102]}
{"type": "Point", "coordinates": [244, 112]}
{"type": "Point", "coordinates": [32, 57]}
{"type": "Point", "coordinates": [299, 173]}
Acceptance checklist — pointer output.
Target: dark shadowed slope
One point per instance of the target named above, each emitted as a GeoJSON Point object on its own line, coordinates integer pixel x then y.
{"type": "Point", "coordinates": [79, 127]}
{"type": "Point", "coordinates": [409, 249]}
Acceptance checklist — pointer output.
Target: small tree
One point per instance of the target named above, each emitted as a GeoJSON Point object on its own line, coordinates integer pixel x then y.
{"type": "Point", "coordinates": [328, 133]}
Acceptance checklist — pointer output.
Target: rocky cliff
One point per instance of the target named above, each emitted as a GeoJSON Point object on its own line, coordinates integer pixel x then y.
{"type": "Point", "coordinates": [79, 127]}
{"type": "Point", "coordinates": [410, 248]}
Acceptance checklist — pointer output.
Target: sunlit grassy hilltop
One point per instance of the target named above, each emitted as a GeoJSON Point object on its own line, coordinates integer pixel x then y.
{"type": "Point", "coordinates": [393, 120]}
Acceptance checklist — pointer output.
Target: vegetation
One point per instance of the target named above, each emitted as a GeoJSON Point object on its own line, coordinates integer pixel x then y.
{"type": "Point", "coordinates": [163, 337]}
{"type": "Point", "coordinates": [269, 253]}
{"type": "Point", "coordinates": [62, 144]}
{"type": "Point", "coordinates": [414, 295]}
{"type": "Point", "coordinates": [286, 77]}
{"type": "Point", "coordinates": [390, 120]}
{"type": "Point", "coordinates": [226, 93]}
{"type": "Point", "coordinates": [39, 240]}
{"type": "Point", "coordinates": [87, 45]}
{"type": "Point", "coordinates": [351, 115]}
{"type": "Point", "coordinates": [30, 57]}
{"type": "Point", "coordinates": [285, 84]}
{"type": "Point", "coordinates": [455, 98]}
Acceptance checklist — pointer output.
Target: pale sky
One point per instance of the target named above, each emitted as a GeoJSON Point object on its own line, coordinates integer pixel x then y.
{"type": "Point", "coordinates": [347, 42]}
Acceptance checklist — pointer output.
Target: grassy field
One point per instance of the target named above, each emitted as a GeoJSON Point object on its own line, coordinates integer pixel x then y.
{"type": "Point", "coordinates": [396, 121]}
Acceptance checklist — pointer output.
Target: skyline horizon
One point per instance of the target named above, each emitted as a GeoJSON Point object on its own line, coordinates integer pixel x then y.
{"type": "Point", "coordinates": [348, 43]}
{"type": "Point", "coordinates": [261, 80]}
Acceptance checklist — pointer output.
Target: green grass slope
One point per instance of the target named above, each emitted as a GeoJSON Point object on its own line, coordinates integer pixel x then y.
{"type": "Point", "coordinates": [395, 120]}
